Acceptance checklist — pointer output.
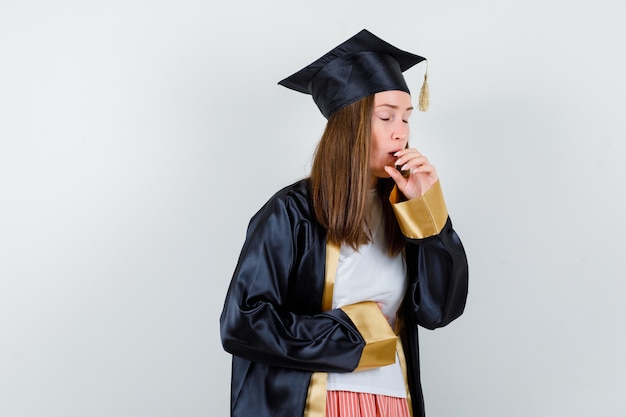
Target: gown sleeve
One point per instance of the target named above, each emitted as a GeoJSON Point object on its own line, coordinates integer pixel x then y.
{"type": "Point", "coordinates": [436, 260]}
{"type": "Point", "coordinates": [272, 309]}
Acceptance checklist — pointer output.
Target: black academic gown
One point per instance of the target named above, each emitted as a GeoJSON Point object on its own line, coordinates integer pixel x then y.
{"type": "Point", "coordinates": [280, 329]}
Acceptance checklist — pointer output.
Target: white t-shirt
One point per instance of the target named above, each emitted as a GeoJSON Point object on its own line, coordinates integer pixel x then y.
{"type": "Point", "coordinates": [371, 274]}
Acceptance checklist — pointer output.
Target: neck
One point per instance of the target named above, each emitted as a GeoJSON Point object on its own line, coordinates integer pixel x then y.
{"type": "Point", "coordinates": [373, 181]}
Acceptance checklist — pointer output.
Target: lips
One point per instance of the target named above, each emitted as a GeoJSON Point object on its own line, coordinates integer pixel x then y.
{"type": "Point", "coordinates": [392, 154]}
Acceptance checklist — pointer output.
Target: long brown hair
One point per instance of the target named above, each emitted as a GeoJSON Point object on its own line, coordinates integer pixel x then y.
{"type": "Point", "coordinates": [340, 179]}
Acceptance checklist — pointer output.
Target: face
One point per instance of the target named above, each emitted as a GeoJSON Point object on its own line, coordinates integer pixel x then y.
{"type": "Point", "coordinates": [390, 130]}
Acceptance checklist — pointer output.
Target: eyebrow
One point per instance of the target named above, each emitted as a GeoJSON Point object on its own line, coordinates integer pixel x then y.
{"type": "Point", "coordinates": [393, 106]}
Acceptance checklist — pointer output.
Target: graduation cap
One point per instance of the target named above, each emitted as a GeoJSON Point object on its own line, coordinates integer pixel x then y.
{"type": "Point", "coordinates": [361, 66]}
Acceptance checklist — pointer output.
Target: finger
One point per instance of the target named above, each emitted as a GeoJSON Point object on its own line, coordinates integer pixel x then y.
{"type": "Point", "coordinates": [406, 151]}
{"type": "Point", "coordinates": [422, 169]}
{"type": "Point", "coordinates": [415, 162]}
{"type": "Point", "coordinates": [395, 175]}
{"type": "Point", "coordinates": [406, 155]}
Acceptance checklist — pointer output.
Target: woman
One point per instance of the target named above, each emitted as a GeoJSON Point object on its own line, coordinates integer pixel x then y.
{"type": "Point", "coordinates": [339, 269]}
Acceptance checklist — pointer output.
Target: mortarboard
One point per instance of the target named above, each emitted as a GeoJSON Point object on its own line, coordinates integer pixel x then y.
{"type": "Point", "coordinates": [361, 66]}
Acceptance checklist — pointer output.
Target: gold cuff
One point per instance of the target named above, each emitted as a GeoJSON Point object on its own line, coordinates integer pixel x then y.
{"type": "Point", "coordinates": [422, 216]}
{"type": "Point", "coordinates": [380, 340]}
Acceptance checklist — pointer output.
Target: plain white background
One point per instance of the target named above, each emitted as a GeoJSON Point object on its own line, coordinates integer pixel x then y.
{"type": "Point", "coordinates": [138, 137]}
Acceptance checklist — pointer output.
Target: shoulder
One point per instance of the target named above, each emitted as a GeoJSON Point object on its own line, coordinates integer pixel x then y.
{"type": "Point", "coordinates": [292, 201]}
{"type": "Point", "coordinates": [298, 192]}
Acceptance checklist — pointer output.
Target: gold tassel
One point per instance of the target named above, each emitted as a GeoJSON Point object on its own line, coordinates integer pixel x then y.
{"type": "Point", "coordinates": [424, 100]}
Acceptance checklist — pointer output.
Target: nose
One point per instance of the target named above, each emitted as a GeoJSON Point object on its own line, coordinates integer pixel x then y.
{"type": "Point", "coordinates": [401, 131]}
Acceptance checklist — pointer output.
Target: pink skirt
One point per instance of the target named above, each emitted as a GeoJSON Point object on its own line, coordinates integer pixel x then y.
{"type": "Point", "coordinates": [360, 404]}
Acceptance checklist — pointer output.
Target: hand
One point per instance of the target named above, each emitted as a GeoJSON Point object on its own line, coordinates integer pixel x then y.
{"type": "Point", "coordinates": [422, 174]}
{"type": "Point", "coordinates": [380, 306]}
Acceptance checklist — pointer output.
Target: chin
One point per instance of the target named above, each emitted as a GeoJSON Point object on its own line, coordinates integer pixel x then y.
{"type": "Point", "coordinates": [382, 174]}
